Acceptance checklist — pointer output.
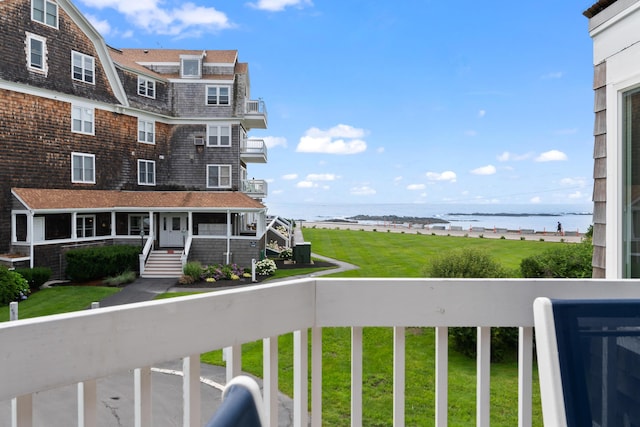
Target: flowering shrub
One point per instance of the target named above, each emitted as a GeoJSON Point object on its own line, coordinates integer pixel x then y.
{"type": "Point", "coordinates": [222, 272]}
{"type": "Point", "coordinates": [286, 253]}
{"type": "Point", "coordinates": [266, 267]}
{"type": "Point", "coordinates": [13, 287]}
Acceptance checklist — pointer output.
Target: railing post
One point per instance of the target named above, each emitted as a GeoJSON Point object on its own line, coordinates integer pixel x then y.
{"type": "Point", "coordinates": [233, 359]}
{"type": "Point", "coordinates": [142, 406]}
{"type": "Point", "coordinates": [356, 376]}
{"type": "Point", "coordinates": [442, 376]}
{"type": "Point", "coordinates": [398, 375]}
{"type": "Point", "coordinates": [191, 391]}
{"type": "Point", "coordinates": [300, 378]}
{"type": "Point", "coordinates": [525, 376]}
{"type": "Point", "coordinates": [21, 406]}
{"type": "Point", "coordinates": [316, 377]}
{"type": "Point", "coordinates": [270, 372]}
{"type": "Point", "coordinates": [483, 372]}
{"type": "Point", "coordinates": [88, 398]}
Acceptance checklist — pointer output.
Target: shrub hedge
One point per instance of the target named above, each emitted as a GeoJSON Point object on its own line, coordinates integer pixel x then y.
{"type": "Point", "coordinates": [36, 276]}
{"type": "Point", "coordinates": [99, 262]}
{"type": "Point", "coordinates": [563, 261]}
{"type": "Point", "coordinates": [13, 287]}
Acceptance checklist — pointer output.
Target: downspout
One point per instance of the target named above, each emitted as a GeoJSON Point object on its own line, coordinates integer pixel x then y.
{"type": "Point", "coordinates": [228, 237]}
{"type": "Point", "coordinates": [30, 233]}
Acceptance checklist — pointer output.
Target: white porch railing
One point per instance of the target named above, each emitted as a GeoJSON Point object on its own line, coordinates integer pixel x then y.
{"type": "Point", "coordinates": [146, 250]}
{"type": "Point", "coordinates": [49, 352]}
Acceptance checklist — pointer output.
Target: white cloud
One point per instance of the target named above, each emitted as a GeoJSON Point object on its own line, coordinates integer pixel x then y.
{"type": "Point", "coordinates": [553, 75]}
{"type": "Point", "coordinates": [397, 179]}
{"type": "Point", "coordinates": [290, 176]}
{"type": "Point", "coordinates": [535, 199]}
{"type": "Point", "coordinates": [576, 195]}
{"type": "Point", "coordinates": [274, 141]}
{"type": "Point", "coordinates": [364, 190]}
{"type": "Point", "coordinates": [306, 184]}
{"type": "Point", "coordinates": [484, 170]}
{"type": "Point", "coordinates": [102, 26]}
{"type": "Point", "coordinates": [154, 16]}
{"type": "Point", "coordinates": [551, 156]}
{"type": "Point", "coordinates": [321, 177]}
{"type": "Point", "coordinates": [442, 176]}
{"type": "Point", "coordinates": [482, 113]}
{"type": "Point", "coordinates": [276, 192]}
{"type": "Point", "coordinates": [507, 156]}
{"type": "Point", "coordinates": [340, 139]}
{"type": "Point", "coordinates": [414, 187]}
{"type": "Point", "coordinates": [574, 182]}
{"type": "Point", "coordinates": [380, 150]}
{"type": "Point", "coordinates": [278, 5]}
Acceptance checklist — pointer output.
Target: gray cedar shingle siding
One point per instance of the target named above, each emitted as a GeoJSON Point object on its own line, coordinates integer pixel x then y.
{"type": "Point", "coordinates": [599, 171]}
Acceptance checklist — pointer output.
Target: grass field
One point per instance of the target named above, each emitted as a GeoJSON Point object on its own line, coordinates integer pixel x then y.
{"type": "Point", "coordinates": [378, 255]}
{"type": "Point", "coordinates": [399, 255]}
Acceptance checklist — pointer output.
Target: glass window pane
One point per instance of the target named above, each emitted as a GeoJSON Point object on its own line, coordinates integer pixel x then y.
{"type": "Point", "coordinates": [52, 13]}
{"type": "Point", "coordinates": [631, 135]}
{"type": "Point", "coordinates": [225, 138]}
{"type": "Point", "coordinates": [224, 96]}
{"type": "Point", "coordinates": [38, 10]}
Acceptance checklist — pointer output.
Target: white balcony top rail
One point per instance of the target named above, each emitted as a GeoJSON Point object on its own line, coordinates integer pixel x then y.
{"type": "Point", "coordinates": [55, 351]}
{"type": "Point", "coordinates": [255, 107]}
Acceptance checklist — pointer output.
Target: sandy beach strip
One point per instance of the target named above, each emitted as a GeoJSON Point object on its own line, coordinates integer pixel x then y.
{"type": "Point", "coordinates": [445, 230]}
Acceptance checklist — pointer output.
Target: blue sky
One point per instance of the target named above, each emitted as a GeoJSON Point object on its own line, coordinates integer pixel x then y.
{"type": "Point", "coordinates": [406, 101]}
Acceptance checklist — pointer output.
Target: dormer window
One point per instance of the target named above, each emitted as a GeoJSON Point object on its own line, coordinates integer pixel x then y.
{"type": "Point", "coordinates": [191, 67]}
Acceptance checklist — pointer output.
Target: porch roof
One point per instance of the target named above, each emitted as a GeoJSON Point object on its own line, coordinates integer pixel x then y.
{"type": "Point", "coordinates": [54, 199]}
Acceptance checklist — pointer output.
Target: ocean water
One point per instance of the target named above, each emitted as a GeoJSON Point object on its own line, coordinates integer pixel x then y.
{"type": "Point", "coordinates": [539, 217]}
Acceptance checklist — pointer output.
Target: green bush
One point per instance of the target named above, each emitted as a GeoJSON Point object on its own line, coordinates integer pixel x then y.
{"type": "Point", "coordinates": [193, 269]}
{"type": "Point", "coordinates": [36, 276]}
{"type": "Point", "coordinates": [474, 263]}
{"type": "Point", "coordinates": [13, 287]}
{"type": "Point", "coordinates": [121, 279]}
{"type": "Point", "coordinates": [103, 261]}
{"type": "Point", "coordinates": [563, 261]}
{"type": "Point", "coordinates": [266, 267]}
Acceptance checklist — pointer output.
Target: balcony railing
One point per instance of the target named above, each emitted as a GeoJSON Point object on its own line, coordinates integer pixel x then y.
{"type": "Point", "coordinates": [50, 352]}
{"type": "Point", "coordinates": [256, 188]}
{"type": "Point", "coordinates": [255, 114]}
{"type": "Point", "coordinates": [253, 150]}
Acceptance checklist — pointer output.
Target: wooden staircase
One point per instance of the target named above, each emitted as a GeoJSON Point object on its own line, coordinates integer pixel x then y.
{"type": "Point", "coordinates": [163, 264]}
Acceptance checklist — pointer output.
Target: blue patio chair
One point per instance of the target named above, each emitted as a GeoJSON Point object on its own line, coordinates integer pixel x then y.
{"type": "Point", "coordinates": [588, 361]}
{"type": "Point", "coordinates": [241, 405]}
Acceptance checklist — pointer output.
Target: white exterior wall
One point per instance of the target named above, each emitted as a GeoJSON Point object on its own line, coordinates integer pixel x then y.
{"type": "Point", "coordinates": [616, 40]}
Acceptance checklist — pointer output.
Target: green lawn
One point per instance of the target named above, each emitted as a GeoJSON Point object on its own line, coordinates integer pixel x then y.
{"type": "Point", "coordinates": [378, 255]}
{"type": "Point", "coordinates": [56, 300]}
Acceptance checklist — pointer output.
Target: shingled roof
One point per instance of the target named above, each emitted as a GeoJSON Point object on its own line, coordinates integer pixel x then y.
{"type": "Point", "coordinates": [49, 199]}
{"type": "Point", "coordinates": [597, 8]}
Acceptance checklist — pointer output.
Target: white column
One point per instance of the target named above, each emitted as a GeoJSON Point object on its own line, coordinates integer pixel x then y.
{"type": "Point", "coordinates": [525, 376]}
{"type": "Point", "coordinates": [233, 359]}
{"type": "Point", "coordinates": [442, 376]}
{"type": "Point", "coordinates": [316, 377]}
{"type": "Point", "coordinates": [356, 377]}
{"type": "Point", "coordinates": [270, 372]}
{"type": "Point", "coordinates": [191, 412]}
{"type": "Point", "coordinates": [398, 375]}
{"type": "Point", "coordinates": [113, 224]}
{"type": "Point", "coordinates": [483, 371]}
{"type": "Point", "coordinates": [142, 397]}
{"type": "Point", "coordinates": [300, 378]}
{"type": "Point", "coordinates": [21, 406]}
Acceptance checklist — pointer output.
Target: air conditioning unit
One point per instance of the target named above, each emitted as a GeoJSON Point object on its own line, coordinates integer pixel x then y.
{"type": "Point", "coordinates": [198, 140]}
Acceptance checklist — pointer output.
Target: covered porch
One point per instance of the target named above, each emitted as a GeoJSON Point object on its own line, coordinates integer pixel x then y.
{"type": "Point", "coordinates": [46, 222]}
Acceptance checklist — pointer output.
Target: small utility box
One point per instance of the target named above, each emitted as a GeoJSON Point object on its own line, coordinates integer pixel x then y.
{"type": "Point", "coordinates": [302, 253]}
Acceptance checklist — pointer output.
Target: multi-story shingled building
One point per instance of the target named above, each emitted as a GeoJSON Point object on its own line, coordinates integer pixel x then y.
{"type": "Point", "coordinates": [103, 145]}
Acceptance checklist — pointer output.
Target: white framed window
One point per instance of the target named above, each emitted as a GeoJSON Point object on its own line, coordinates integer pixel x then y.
{"type": "Point", "coordinates": [218, 176]}
{"type": "Point", "coordinates": [138, 224]}
{"type": "Point", "coordinates": [82, 67]}
{"type": "Point", "coordinates": [45, 12]}
{"type": "Point", "coordinates": [83, 168]}
{"type": "Point", "coordinates": [219, 135]}
{"type": "Point", "coordinates": [191, 67]}
{"type": "Point", "coordinates": [146, 172]}
{"type": "Point", "coordinates": [36, 49]}
{"type": "Point", "coordinates": [82, 119]}
{"type": "Point", "coordinates": [85, 226]}
{"type": "Point", "coordinates": [218, 95]}
{"type": "Point", "coordinates": [146, 131]}
{"type": "Point", "coordinates": [146, 87]}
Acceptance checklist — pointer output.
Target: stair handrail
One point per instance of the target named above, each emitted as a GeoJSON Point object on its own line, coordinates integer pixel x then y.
{"type": "Point", "coordinates": [146, 250]}
{"type": "Point", "coordinates": [185, 251]}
